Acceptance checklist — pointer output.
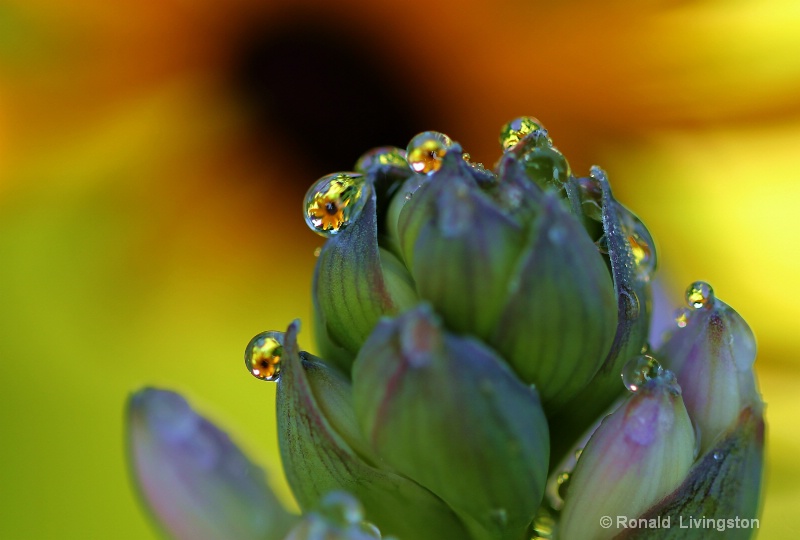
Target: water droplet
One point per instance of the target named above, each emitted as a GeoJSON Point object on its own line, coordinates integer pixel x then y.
{"type": "Point", "coordinates": [637, 371]}
{"type": "Point", "coordinates": [341, 508]}
{"type": "Point", "coordinates": [682, 317]}
{"type": "Point", "coordinates": [499, 516]}
{"type": "Point", "coordinates": [383, 157]}
{"type": "Point", "coordinates": [629, 301]}
{"type": "Point", "coordinates": [408, 196]}
{"type": "Point", "coordinates": [544, 525]}
{"type": "Point", "coordinates": [334, 201]}
{"type": "Point", "coordinates": [563, 484]}
{"type": "Point", "coordinates": [700, 295]}
{"type": "Point", "coordinates": [578, 453]}
{"type": "Point", "coordinates": [641, 243]}
{"type": "Point", "coordinates": [263, 355]}
{"type": "Point", "coordinates": [591, 195]}
{"type": "Point", "coordinates": [466, 157]}
{"type": "Point", "coordinates": [547, 167]}
{"type": "Point", "coordinates": [426, 150]}
{"type": "Point", "coordinates": [718, 455]}
{"type": "Point", "coordinates": [602, 244]}
{"type": "Point", "coordinates": [370, 530]}
{"type": "Point", "coordinates": [317, 251]}
{"type": "Point", "coordinates": [516, 130]}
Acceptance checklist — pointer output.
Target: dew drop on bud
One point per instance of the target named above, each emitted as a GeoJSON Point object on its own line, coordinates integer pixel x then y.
{"type": "Point", "coordinates": [591, 196]}
{"type": "Point", "coordinates": [516, 130]}
{"type": "Point", "coordinates": [629, 301]}
{"type": "Point", "coordinates": [341, 508]}
{"type": "Point", "coordinates": [543, 525]}
{"type": "Point", "coordinates": [563, 484]}
{"type": "Point", "coordinates": [639, 370]}
{"type": "Point", "coordinates": [383, 157]}
{"type": "Point", "coordinates": [426, 150]}
{"type": "Point", "coordinates": [334, 201]}
{"type": "Point", "coordinates": [369, 530]}
{"type": "Point", "coordinates": [682, 317]}
{"type": "Point", "coordinates": [263, 356]}
{"type": "Point", "coordinates": [700, 295]}
{"type": "Point", "coordinates": [718, 455]}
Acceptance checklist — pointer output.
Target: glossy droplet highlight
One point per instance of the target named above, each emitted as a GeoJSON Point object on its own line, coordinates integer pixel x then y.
{"type": "Point", "coordinates": [591, 196]}
{"type": "Point", "coordinates": [382, 158]}
{"type": "Point", "coordinates": [334, 201]}
{"type": "Point", "coordinates": [426, 151]}
{"type": "Point", "coordinates": [263, 356]}
{"type": "Point", "coordinates": [341, 508]}
{"type": "Point", "coordinates": [370, 530]}
{"type": "Point", "coordinates": [718, 455]}
{"type": "Point", "coordinates": [637, 371]}
{"type": "Point", "coordinates": [641, 244]}
{"type": "Point", "coordinates": [547, 167]}
{"type": "Point", "coordinates": [562, 482]}
{"type": "Point", "coordinates": [700, 295]}
{"type": "Point", "coordinates": [544, 524]}
{"type": "Point", "coordinates": [516, 130]}
{"type": "Point", "coordinates": [682, 317]}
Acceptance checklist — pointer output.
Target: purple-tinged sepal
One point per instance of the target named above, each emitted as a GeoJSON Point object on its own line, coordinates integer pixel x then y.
{"type": "Point", "coordinates": [195, 481]}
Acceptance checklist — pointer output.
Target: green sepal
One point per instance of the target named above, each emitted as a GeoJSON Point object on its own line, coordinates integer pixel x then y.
{"type": "Point", "coordinates": [446, 411]}
{"type": "Point", "coordinates": [350, 289]}
{"type": "Point", "coordinates": [317, 458]}
{"type": "Point", "coordinates": [634, 305]}
{"type": "Point", "coordinates": [560, 311]}
{"type": "Point", "coordinates": [725, 484]}
{"type": "Point", "coordinates": [461, 248]}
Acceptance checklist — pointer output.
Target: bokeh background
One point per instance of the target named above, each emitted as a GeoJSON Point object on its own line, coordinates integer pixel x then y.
{"type": "Point", "coordinates": [154, 153]}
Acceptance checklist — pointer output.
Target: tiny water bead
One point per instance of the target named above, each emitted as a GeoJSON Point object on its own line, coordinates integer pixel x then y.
{"type": "Point", "coordinates": [700, 295]}
{"type": "Point", "coordinates": [383, 157]}
{"type": "Point", "coordinates": [641, 243]}
{"type": "Point", "coordinates": [263, 356]}
{"type": "Point", "coordinates": [546, 166]}
{"type": "Point", "coordinates": [516, 130]}
{"type": "Point", "coordinates": [341, 508]}
{"type": "Point", "coordinates": [682, 317]}
{"type": "Point", "coordinates": [563, 484]}
{"type": "Point", "coordinates": [334, 201]}
{"type": "Point", "coordinates": [426, 151]}
{"type": "Point", "coordinates": [591, 197]}
{"type": "Point", "coordinates": [639, 370]}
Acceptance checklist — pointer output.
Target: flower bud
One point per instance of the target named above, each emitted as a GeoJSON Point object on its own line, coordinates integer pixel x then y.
{"type": "Point", "coordinates": [196, 482]}
{"type": "Point", "coordinates": [639, 453]}
{"type": "Point", "coordinates": [712, 353]}
{"type": "Point", "coordinates": [560, 314]}
{"type": "Point", "coordinates": [322, 451]}
{"type": "Point", "coordinates": [447, 412]}
{"type": "Point", "coordinates": [355, 283]}
{"type": "Point", "coordinates": [460, 247]}
{"type": "Point", "coordinates": [725, 484]}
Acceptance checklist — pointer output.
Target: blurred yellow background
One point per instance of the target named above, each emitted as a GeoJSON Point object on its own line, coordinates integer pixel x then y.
{"type": "Point", "coordinates": [153, 157]}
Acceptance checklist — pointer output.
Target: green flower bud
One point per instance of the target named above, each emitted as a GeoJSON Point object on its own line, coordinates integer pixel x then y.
{"type": "Point", "coordinates": [195, 481]}
{"type": "Point", "coordinates": [322, 451]}
{"type": "Point", "coordinates": [712, 353]}
{"type": "Point", "coordinates": [723, 486]}
{"type": "Point", "coordinates": [445, 411]}
{"type": "Point", "coordinates": [560, 316]}
{"type": "Point", "coordinates": [352, 287]}
{"type": "Point", "coordinates": [460, 247]}
{"type": "Point", "coordinates": [639, 453]}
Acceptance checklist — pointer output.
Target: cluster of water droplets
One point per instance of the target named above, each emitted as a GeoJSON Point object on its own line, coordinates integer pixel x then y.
{"type": "Point", "coordinates": [345, 511]}
{"type": "Point", "coordinates": [262, 357]}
